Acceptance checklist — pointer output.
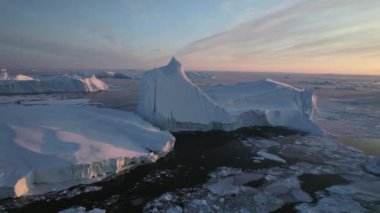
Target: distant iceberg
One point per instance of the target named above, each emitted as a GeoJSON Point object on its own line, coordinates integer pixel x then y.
{"type": "Point", "coordinates": [58, 144]}
{"type": "Point", "coordinates": [4, 74]}
{"type": "Point", "coordinates": [111, 74]}
{"type": "Point", "coordinates": [138, 74]}
{"type": "Point", "coordinates": [22, 84]}
{"type": "Point", "coordinates": [169, 100]}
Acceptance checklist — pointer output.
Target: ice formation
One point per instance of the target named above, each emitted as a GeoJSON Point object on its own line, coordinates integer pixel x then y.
{"type": "Point", "coordinates": [52, 146]}
{"type": "Point", "coordinates": [171, 101]}
{"type": "Point", "coordinates": [3, 74]}
{"type": "Point", "coordinates": [23, 84]}
{"type": "Point", "coordinates": [111, 74]}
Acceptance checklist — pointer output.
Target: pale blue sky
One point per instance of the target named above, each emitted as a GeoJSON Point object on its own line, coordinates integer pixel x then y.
{"type": "Point", "coordinates": [205, 34]}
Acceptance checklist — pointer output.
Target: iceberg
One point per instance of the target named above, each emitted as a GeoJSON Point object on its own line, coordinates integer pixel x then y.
{"type": "Point", "coordinates": [199, 75]}
{"type": "Point", "coordinates": [169, 100]}
{"type": "Point", "coordinates": [3, 74]}
{"type": "Point", "coordinates": [51, 146]}
{"type": "Point", "coordinates": [23, 84]}
{"type": "Point", "coordinates": [111, 74]}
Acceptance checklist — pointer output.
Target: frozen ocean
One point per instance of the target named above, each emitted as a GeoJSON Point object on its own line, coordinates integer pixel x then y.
{"type": "Point", "coordinates": [251, 169]}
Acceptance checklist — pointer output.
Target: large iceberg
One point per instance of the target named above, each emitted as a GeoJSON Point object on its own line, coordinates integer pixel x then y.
{"type": "Point", "coordinates": [22, 84]}
{"type": "Point", "coordinates": [169, 100]}
{"type": "Point", "coordinates": [57, 144]}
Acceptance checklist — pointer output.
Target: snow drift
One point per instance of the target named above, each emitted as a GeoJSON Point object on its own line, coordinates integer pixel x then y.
{"type": "Point", "coordinates": [171, 101]}
{"type": "Point", "coordinates": [23, 84]}
{"type": "Point", "coordinates": [54, 145]}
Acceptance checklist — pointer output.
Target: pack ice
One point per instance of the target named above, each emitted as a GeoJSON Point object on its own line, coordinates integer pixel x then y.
{"type": "Point", "coordinates": [169, 100]}
{"type": "Point", "coordinates": [56, 144]}
{"type": "Point", "coordinates": [22, 84]}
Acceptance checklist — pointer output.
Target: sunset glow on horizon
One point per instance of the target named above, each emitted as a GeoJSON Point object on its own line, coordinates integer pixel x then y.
{"type": "Point", "coordinates": [324, 36]}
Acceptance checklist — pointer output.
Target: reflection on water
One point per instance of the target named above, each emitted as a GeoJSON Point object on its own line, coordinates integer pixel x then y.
{"type": "Point", "coordinates": [370, 146]}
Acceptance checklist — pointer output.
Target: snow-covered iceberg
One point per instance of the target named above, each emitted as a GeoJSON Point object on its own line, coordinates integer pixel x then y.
{"type": "Point", "coordinates": [22, 84]}
{"type": "Point", "coordinates": [54, 145]}
{"type": "Point", "coordinates": [171, 101]}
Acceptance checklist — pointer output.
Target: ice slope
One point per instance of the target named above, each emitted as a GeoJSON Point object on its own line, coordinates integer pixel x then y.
{"type": "Point", "coordinates": [171, 101]}
{"type": "Point", "coordinates": [22, 84]}
{"type": "Point", "coordinates": [267, 102]}
{"type": "Point", "coordinates": [58, 144]}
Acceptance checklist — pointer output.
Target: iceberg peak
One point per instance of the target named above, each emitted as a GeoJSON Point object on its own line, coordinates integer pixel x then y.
{"type": "Point", "coordinates": [173, 66]}
{"type": "Point", "coordinates": [174, 63]}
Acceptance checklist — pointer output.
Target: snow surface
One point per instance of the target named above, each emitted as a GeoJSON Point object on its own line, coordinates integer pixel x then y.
{"type": "Point", "coordinates": [171, 101]}
{"type": "Point", "coordinates": [53, 146]}
{"type": "Point", "coordinates": [23, 84]}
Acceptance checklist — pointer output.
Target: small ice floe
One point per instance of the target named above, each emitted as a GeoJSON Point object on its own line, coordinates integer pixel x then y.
{"type": "Point", "coordinates": [264, 154]}
{"type": "Point", "coordinates": [373, 165]}
{"type": "Point", "coordinates": [332, 204]}
{"type": "Point", "coordinates": [81, 209]}
{"type": "Point", "coordinates": [260, 143]}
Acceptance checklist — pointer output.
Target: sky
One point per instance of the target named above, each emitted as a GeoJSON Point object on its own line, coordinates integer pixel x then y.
{"type": "Point", "coordinates": [322, 36]}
